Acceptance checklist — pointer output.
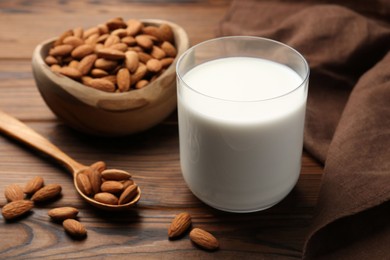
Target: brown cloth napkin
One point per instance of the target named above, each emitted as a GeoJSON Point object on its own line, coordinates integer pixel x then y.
{"type": "Point", "coordinates": [348, 113]}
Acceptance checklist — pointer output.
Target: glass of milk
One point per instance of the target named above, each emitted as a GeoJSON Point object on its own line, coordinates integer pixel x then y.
{"type": "Point", "coordinates": [241, 108]}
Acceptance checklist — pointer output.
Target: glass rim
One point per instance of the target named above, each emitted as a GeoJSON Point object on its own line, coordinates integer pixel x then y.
{"type": "Point", "coordinates": [188, 51]}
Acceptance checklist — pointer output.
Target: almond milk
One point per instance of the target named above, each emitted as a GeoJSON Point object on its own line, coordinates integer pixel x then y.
{"type": "Point", "coordinates": [241, 125]}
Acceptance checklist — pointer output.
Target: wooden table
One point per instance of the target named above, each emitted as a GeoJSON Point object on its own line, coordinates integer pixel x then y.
{"type": "Point", "coordinates": [151, 156]}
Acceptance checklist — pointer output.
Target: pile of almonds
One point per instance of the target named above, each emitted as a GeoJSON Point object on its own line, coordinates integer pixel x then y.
{"type": "Point", "coordinates": [22, 200]}
{"type": "Point", "coordinates": [182, 222]}
{"type": "Point", "coordinates": [108, 186]}
{"type": "Point", "coordinates": [115, 56]}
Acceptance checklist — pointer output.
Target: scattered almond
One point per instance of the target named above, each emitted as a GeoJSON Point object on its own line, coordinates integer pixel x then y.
{"type": "Point", "coordinates": [16, 208]}
{"type": "Point", "coordinates": [46, 193]}
{"type": "Point", "coordinates": [33, 185]}
{"type": "Point", "coordinates": [13, 192]}
{"type": "Point", "coordinates": [62, 213]}
{"type": "Point", "coordinates": [204, 239]}
{"type": "Point", "coordinates": [179, 225]}
{"type": "Point", "coordinates": [74, 228]}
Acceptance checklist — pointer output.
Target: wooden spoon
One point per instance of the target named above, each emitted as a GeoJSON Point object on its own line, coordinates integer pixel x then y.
{"type": "Point", "coordinates": [12, 127]}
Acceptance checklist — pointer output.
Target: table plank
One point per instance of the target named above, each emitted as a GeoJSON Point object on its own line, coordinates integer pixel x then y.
{"type": "Point", "coordinates": [152, 156]}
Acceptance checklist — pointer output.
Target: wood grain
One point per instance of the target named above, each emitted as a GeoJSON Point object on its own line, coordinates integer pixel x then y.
{"type": "Point", "coordinates": [152, 157]}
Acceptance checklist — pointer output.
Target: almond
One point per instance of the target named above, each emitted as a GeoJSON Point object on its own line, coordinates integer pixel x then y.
{"type": "Point", "coordinates": [204, 239]}
{"type": "Point", "coordinates": [179, 225]}
{"type": "Point", "coordinates": [16, 208]}
{"type": "Point", "coordinates": [55, 68]}
{"type": "Point", "coordinates": [110, 54]}
{"type": "Point", "coordinates": [46, 193]}
{"type": "Point", "coordinates": [128, 194]}
{"type": "Point", "coordinates": [13, 192]}
{"type": "Point", "coordinates": [33, 185]}
{"type": "Point", "coordinates": [61, 50]}
{"type": "Point", "coordinates": [106, 198]}
{"type": "Point", "coordinates": [131, 61]}
{"type": "Point", "coordinates": [93, 39]}
{"type": "Point", "coordinates": [157, 53]}
{"type": "Point", "coordinates": [133, 27]}
{"type": "Point", "coordinates": [74, 64]}
{"type": "Point", "coordinates": [86, 80]}
{"type": "Point", "coordinates": [105, 64]}
{"type": "Point", "coordinates": [127, 183]}
{"type": "Point", "coordinates": [60, 39]}
{"type": "Point", "coordinates": [81, 51]}
{"type": "Point", "coordinates": [152, 30]}
{"type": "Point", "coordinates": [154, 65]}
{"type": "Point", "coordinates": [166, 62]}
{"type": "Point", "coordinates": [166, 33]}
{"type": "Point", "coordinates": [78, 32]}
{"type": "Point", "coordinates": [84, 184]}
{"type": "Point", "coordinates": [111, 78]}
{"type": "Point", "coordinates": [62, 213]}
{"type": "Point", "coordinates": [102, 84]}
{"type": "Point", "coordinates": [50, 60]}
{"type": "Point", "coordinates": [70, 72]}
{"type": "Point", "coordinates": [99, 166]}
{"type": "Point", "coordinates": [139, 73]}
{"type": "Point", "coordinates": [98, 73]}
{"type": "Point", "coordinates": [103, 29]}
{"type": "Point", "coordinates": [120, 32]}
{"type": "Point", "coordinates": [73, 40]}
{"type": "Point", "coordinates": [144, 41]}
{"type": "Point", "coordinates": [102, 38]}
{"type": "Point", "coordinates": [95, 179]}
{"type": "Point", "coordinates": [115, 175]}
{"type": "Point", "coordinates": [90, 31]}
{"type": "Point", "coordinates": [169, 49]}
{"type": "Point", "coordinates": [115, 23]}
{"type": "Point", "coordinates": [119, 46]}
{"type": "Point", "coordinates": [111, 40]}
{"type": "Point", "coordinates": [142, 83]}
{"type": "Point", "coordinates": [86, 64]}
{"type": "Point", "coordinates": [74, 228]}
{"type": "Point", "coordinates": [123, 79]}
{"type": "Point", "coordinates": [111, 186]}
{"type": "Point", "coordinates": [129, 40]}
{"type": "Point", "coordinates": [144, 57]}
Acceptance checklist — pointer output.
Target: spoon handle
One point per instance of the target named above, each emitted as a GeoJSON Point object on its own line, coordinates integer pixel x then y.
{"type": "Point", "coordinates": [14, 128]}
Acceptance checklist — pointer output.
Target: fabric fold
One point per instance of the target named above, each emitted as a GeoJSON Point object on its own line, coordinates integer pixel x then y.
{"type": "Point", "coordinates": [348, 113]}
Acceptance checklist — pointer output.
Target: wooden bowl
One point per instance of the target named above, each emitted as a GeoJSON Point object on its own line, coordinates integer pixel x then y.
{"type": "Point", "coordinates": [109, 114]}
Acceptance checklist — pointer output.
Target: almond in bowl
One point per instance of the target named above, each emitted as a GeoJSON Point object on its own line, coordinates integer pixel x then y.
{"type": "Point", "coordinates": [113, 79]}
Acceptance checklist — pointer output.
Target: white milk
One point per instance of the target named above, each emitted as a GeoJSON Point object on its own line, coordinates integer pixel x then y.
{"type": "Point", "coordinates": [240, 142]}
